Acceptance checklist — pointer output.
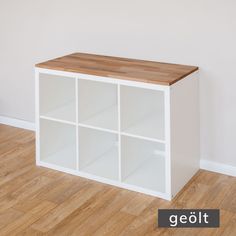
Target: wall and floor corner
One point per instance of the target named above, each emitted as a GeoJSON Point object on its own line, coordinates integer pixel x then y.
{"type": "Point", "coordinates": [200, 33]}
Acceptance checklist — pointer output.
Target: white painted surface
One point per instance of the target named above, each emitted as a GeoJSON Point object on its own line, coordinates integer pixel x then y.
{"type": "Point", "coordinates": [65, 157]}
{"type": "Point", "coordinates": [184, 131]}
{"type": "Point", "coordinates": [65, 112]}
{"type": "Point", "coordinates": [106, 166]}
{"type": "Point", "coordinates": [119, 132]}
{"type": "Point", "coordinates": [168, 175]}
{"type": "Point", "coordinates": [142, 112]}
{"type": "Point", "coordinates": [57, 143]}
{"type": "Point", "coordinates": [142, 165]}
{"type": "Point", "coordinates": [77, 122]}
{"type": "Point", "coordinates": [98, 128]}
{"type": "Point", "coordinates": [93, 144]}
{"type": "Point", "coordinates": [152, 126]}
{"type": "Point", "coordinates": [97, 104]}
{"type": "Point", "coordinates": [150, 175]}
{"type": "Point", "coordinates": [106, 119]}
{"type": "Point", "coordinates": [135, 152]}
{"type": "Point", "coordinates": [57, 97]}
{"type": "Point", "coordinates": [58, 120]}
{"type": "Point", "coordinates": [103, 79]}
{"type": "Point", "coordinates": [142, 137]}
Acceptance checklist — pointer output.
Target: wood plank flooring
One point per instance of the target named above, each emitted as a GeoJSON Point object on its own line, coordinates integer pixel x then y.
{"type": "Point", "coordinates": [40, 201]}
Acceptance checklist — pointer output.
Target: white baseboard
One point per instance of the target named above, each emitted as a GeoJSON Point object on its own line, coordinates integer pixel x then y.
{"type": "Point", "coordinates": [17, 123]}
{"type": "Point", "coordinates": [218, 167]}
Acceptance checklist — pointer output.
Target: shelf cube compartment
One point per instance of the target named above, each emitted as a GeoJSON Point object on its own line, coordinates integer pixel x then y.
{"type": "Point", "coordinates": [142, 112]}
{"type": "Point", "coordinates": [143, 163]}
{"type": "Point", "coordinates": [97, 104]}
{"type": "Point", "coordinates": [57, 97]}
{"type": "Point", "coordinates": [98, 153]}
{"type": "Point", "coordinates": [58, 144]}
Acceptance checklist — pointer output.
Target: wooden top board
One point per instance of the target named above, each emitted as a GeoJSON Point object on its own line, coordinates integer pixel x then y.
{"type": "Point", "coordinates": [120, 68]}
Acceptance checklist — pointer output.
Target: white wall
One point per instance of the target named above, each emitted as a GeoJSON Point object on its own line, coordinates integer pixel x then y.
{"type": "Point", "coordinates": [193, 32]}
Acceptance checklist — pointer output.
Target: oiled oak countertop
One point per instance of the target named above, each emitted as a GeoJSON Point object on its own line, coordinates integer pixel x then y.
{"type": "Point", "coordinates": [120, 68]}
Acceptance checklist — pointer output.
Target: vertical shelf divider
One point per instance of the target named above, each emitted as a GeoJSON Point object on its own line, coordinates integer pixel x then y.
{"type": "Point", "coordinates": [167, 142]}
{"type": "Point", "coordinates": [119, 130]}
{"type": "Point", "coordinates": [37, 117]}
{"type": "Point", "coordinates": [77, 123]}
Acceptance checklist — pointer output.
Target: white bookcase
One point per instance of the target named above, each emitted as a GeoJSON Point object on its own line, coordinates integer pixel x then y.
{"type": "Point", "coordinates": [135, 135]}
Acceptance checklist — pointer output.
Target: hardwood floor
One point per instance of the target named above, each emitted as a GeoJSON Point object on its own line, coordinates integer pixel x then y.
{"type": "Point", "coordinates": [40, 201]}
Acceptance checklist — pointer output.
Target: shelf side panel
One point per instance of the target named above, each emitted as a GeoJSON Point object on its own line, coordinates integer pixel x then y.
{"type": "Point", "coordinates": [184, 131]}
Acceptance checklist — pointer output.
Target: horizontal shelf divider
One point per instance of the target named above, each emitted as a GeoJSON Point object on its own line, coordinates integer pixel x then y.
{"type": "Point", "coordinates": [148, 175]}
{"type": "Point", "coordinates": [57, 167]}
{"type": "Point", "coordinates": [97, 128]}
{"type": "Point", "coordinates": [104, 180]}
{"type": "Point", "coordinates": [143, 137]}
{"type": "Point", "coordinates": [63, 112]}
{"type": "Point", "coordinates": [106, 119]}
{"type": "Point", "coordinates": [57, 120]}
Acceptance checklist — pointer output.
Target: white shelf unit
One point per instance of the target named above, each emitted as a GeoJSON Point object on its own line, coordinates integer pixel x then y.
{"type": "Point", "coordinates": [139, 136]}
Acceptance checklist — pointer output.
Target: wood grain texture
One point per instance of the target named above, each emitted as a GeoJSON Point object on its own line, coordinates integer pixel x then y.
{"type": "Point", "coordinates": [120, 68]}
{"type": "Point", "coordinates": [40, 201]}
